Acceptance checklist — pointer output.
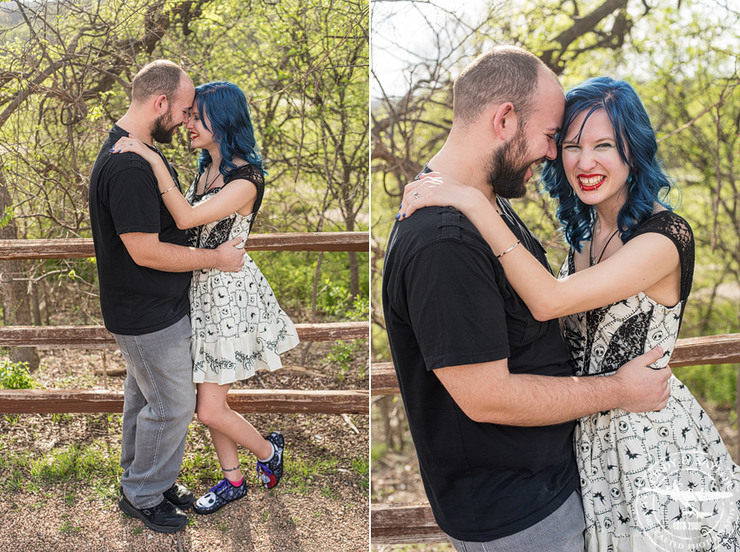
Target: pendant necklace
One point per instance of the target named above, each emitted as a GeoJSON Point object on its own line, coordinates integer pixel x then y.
{"type": "Point", "coordinates": [603, 249]}
{"type": "Point", "coordinates": [209, 184]}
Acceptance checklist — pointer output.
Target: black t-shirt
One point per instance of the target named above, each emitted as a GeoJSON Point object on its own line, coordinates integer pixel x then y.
{"type": "Point", "coordinates": [447, 303]}
{"type": "Point", "coordinates": [124, 197]}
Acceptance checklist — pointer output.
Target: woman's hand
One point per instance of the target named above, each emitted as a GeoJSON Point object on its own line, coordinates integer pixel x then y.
{"type": "Point", "coordinates": [129, 143]}
{"type": "Point", "coordinates": [435, 189]}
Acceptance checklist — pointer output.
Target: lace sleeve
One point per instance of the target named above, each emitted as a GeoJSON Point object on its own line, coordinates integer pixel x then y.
{"type": "Point", "coordinates": [254, 174]}
{"type": "Point", "coordinates": [679, 232]}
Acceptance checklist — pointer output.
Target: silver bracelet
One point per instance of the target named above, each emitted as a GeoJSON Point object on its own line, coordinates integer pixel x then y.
{"type": "Point", "coordinates": [507, 250]}
{"type": "Point", "coordinates": [168, 189]}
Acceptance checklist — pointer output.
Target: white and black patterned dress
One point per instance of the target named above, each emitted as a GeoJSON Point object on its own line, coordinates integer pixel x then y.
{"type": "Point", "coordinates": [238, 325]}
{"type": "Point", "coordinates": [658, 481]}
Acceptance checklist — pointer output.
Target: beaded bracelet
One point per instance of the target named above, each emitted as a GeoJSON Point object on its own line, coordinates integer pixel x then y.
{"type": "Point", "coordinates": [168, 189]}
{"type": "Point", "coordinates": [507, 250]}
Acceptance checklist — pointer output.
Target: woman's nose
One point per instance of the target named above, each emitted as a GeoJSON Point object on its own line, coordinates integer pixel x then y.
{"type": "Point", "coordinates": [586, 160]}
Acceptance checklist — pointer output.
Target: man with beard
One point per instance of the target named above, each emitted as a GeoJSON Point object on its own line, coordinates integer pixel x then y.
{"type": "Point", "coordinates": [488, 389]}
{"type": "Point", "coordinates": [144, 267]}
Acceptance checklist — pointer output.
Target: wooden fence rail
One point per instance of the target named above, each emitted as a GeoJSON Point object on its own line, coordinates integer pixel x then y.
{"type": "Point", "coordinates": [264, 401]}
{"type": "Point", "coordinates": [414, 523]}
{"type": "Point", "coordinates": [83, 247]}
{"type": "Point", "coordinates": [242, 400]}
{"type": "Point", "coordinates": [98, 336]}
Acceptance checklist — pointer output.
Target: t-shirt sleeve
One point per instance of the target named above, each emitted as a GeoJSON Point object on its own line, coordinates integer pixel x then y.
{"type": "Point", "coordinates": [134, 199]}
{"type": "Point", "coordinates": [454, 305]}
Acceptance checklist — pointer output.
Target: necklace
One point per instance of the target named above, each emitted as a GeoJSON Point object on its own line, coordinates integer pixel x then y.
{"type": "Point", "coordinates": [209, 184]}
{"type": "Point", "coordinates": [603, 249]}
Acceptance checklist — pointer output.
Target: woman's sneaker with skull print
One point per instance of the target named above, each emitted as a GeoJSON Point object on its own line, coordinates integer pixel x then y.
{"type": "Point", "coordinates": [219, 496]}
{"type": "Point", "coordinates": [270, 471]}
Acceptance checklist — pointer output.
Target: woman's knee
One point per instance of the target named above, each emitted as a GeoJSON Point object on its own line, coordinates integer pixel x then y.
{"type": "Point", "coordinates": [210, 414]}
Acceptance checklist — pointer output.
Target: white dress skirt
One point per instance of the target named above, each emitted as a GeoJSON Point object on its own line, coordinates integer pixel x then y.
{"type": "Point", "coordinates": [238, 325]}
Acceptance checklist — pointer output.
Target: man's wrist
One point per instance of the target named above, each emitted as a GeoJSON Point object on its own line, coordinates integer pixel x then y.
{"type": "Point", "coordinates": [614, 392]}
{"type": "Point", "coordinates": [214, 258]}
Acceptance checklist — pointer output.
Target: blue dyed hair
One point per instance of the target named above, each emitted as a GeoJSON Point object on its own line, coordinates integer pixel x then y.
{"type": "Point", "coordinates": [647, 183]}
{"type": "Point", "coordinates": [228, 113]}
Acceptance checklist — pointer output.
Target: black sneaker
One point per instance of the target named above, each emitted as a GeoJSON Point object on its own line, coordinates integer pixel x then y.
{"type": "Point", "coordinates": [271, 471]}
{"type": "Point", "coordinates": [180, 496]}
{"type": "Point", "coordinates": [163, 518]}
{"type": "Point", "coordinates": [219, 496]}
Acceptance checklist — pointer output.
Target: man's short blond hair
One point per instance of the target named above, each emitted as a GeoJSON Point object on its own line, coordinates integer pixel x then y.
{"type": "Point", "coordinates": [157, 78]}
{"type": "Point", "coordinates": [502, 74]}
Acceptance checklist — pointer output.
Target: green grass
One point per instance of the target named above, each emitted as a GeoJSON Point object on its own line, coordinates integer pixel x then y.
{"type": "Point", "coordinates": [300, 474]}
{"type": "Point", "coordinates": [327, 492]}
{"type": "Point", "coordinates": [67, 528]}
{"type": "Point", "coordinates": [199, 466]}
{"type": "Point", "coordinates": [361, 467]}
{"type": "Point", "coordinates": [68, 466]}
{"type": "Point", "coordinates": [64, 469]}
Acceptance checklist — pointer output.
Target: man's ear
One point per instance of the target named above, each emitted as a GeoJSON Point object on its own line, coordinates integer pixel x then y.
{"type": "Point", "coordinates": [505, 121]}
{"type": "Point", "coordinates": [161, 104]}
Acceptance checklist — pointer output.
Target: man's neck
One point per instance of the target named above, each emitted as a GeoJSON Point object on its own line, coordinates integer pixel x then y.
{"type": "Point", "coordinates": [136, 128]}
{"type": "Point", "coordinates": [464, 170]}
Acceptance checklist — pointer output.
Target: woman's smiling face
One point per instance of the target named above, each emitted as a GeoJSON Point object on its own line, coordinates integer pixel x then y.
{"type": "Point", "coordinates": [200, 136]}
{"type": "Point", "coordinates": [592, 163]}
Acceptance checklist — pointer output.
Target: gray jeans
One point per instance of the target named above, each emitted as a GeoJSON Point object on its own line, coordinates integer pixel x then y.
{"type": "Point", "coordinates": [159, 402]}
{"type": "Point", "coordinates": [561, 531]}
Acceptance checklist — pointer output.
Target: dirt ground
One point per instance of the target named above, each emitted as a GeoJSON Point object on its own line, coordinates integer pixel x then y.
{"type": "Point", "coordinates": [312, 510]}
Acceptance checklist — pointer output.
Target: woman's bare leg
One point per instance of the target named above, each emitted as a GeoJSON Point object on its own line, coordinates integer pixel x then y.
{"type": "Point", "coordinates": [228, 428]}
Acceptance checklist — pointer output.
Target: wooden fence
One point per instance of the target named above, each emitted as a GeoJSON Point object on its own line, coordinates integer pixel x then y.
{"type": "Point", "coordinates": [99, 400]}
{"type": "Point", "coordinates": [414, 523]}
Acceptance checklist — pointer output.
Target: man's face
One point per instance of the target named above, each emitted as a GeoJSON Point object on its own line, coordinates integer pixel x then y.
{"type": "Point", "coordinates": [510, 167]}
{"type": "Point", "coordinates": [165, 125]}
{"type": "Point", "coordinates": [164, 128]}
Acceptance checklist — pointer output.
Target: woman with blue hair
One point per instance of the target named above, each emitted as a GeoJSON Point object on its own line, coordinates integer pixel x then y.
{"type": "Point", "coordinates": [238, 325]}
{"type": "Point", "coordinates": [650, 481]}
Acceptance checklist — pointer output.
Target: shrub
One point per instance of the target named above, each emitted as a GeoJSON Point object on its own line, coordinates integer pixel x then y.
{"type": "Point", "coordinates": [15, 375]}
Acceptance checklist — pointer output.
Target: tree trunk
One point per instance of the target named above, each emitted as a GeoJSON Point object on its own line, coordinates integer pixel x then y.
{"type": "Point", "coordinates": [15, 288]}
{"type": "Point", "coordinates": [354, 274]}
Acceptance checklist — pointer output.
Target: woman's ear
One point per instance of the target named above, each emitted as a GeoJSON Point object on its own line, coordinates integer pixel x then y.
{"type": "Point", "coordinates": [505, 121]}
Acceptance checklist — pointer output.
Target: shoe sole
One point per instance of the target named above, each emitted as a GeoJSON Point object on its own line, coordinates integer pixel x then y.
{"type": "Point", "coordinates": [129, 509]}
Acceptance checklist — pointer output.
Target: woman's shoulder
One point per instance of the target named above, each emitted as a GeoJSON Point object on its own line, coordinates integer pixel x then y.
{"type": "Point", "coordinates": [669, 224]}
{"type": "Point", "coordinates": [247, 171]}
{"type": "Point", "coordinates": [665, 220]}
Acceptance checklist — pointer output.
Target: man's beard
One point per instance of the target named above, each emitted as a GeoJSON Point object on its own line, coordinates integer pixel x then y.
{"type": "Point", "coordinates": [504, 174]}
{"type": "Point", "coordinates": [162, 132]}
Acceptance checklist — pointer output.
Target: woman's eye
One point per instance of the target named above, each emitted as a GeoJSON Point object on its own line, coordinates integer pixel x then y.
{"type": "Point", "coordinates": [571, 147]}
